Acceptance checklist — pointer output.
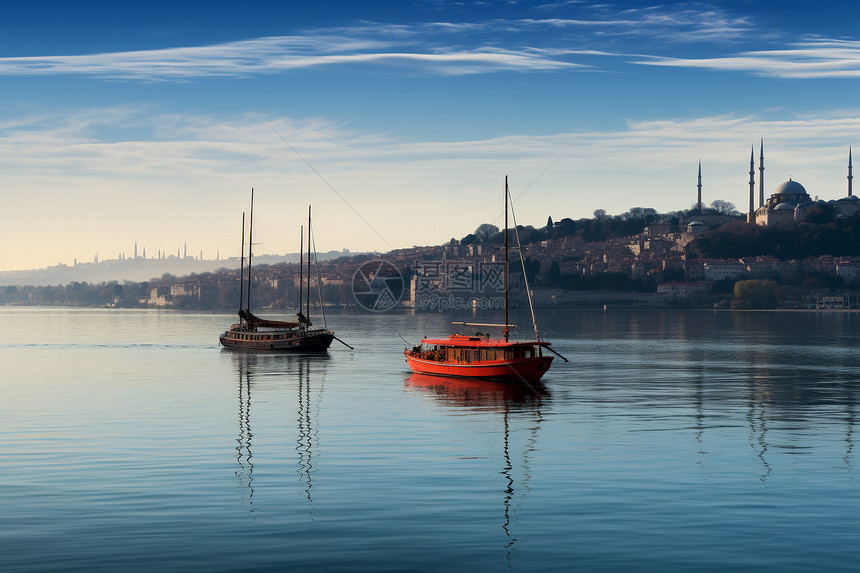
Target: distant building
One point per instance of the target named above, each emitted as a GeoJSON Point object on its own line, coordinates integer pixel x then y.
{"type": "Point", "coordinates": [681, 290]}
{"type": "Point", "coordinates": [780, 208]}
{"type": "Point", "coordinates": [790, 203]}
{"type": "Point", "coordinates": [848, 271]}
{"type": "Point", "coordinates": [658, 229]}
{"type": "Point", "coordinates": [724, 270]}
{"type": "Point", "coordinates": [696, 228]}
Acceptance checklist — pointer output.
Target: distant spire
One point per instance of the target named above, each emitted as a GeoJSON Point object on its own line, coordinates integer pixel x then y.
{"type": "Point", "coordinates": [751, 216]}
{"type": "Point", "coordinates": [135, 249]}
{"type": "Point", "coordinates": [761, 176]}
{"type": "Point", "coordinates": [699, 186]}
{"type": "Point", "coordinates": [850, 177]}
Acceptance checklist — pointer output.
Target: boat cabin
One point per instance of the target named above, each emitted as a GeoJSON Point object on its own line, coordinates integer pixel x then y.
{"type": "Point", "coordinates": [459, 349]}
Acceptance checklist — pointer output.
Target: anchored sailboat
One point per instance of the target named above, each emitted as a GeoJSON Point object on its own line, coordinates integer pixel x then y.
{"type": "Point", "coordinates": [481, 356]}
{"type": "Point", "coordinates": [254, 333]}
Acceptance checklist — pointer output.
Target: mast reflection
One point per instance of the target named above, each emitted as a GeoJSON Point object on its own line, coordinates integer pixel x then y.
{"type": "Point", "coordinates": [850, 417]}
{"type": "Point", "coordinates": [268, 372]}
{"type": "Point", "coordinates": [305, 444]}
{"type": "Point", "coordinates": [509, 400]}
{"type": "Point", "coordinates": [244, 455]}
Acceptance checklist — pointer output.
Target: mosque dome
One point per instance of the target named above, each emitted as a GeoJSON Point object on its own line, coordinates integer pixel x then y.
{"type": "Point", "coordinates": [696, 227]}
{"type": "Point", "coordinates": [784, 207]}
{"type": "Point", "coordinates": [790, 188]}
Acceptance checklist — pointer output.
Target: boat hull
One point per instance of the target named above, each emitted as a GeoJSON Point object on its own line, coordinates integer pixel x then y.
{"type": "Point", "coordinates": [525, 369]}
{"type": "Point", "coordinates": [307, 341]}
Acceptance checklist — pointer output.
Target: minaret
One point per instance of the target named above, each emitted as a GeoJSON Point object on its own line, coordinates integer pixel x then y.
{"type": "Point", "coordinates": [135, 249]}
{"type": "Point", "coordinates": [699, 186]}
{"type": "Point", "coordinates": [751, 216]}
{"type": "Point", "coordinates": [850, 177]}
{"type": "Point", "coordinates": [185, 252]}
{"type": "Point", "coordinates": [761, 176]}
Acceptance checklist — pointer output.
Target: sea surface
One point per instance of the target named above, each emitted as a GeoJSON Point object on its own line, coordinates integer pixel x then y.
{"type": "Point", "coordinates": [671, 441]}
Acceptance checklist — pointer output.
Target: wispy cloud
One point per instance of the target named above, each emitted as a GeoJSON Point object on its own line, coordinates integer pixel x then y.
{"type": "Point", "coordinates": [445, 48]}
{"type": "Point", "coordinates": [806, 60]}
{"type": "Point", "coordinates": [279, 54]}
{"type": "Point", "coordinates": [181, 152]}
{"type": "Point", "coordinates": [105, 177]}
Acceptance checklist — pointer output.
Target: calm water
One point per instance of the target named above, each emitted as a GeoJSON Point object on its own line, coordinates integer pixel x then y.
{"type": "Point", "coordinates": [673, 441]}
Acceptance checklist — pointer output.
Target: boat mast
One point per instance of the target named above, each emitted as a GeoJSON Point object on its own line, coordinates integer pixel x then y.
{"type": "Point", "coordinates": [250, 249]}
{"type": "Point", "coordinates": [242, 269]}
{"type": "Point", "coordinates": [309, 262]}
{"type": "Point", "coordinates": [506, 259]}
{"type": "Point", "coordinates": [301, 265]}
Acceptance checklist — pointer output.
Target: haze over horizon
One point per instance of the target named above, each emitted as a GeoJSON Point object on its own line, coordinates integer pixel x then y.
{"type": "Point", "coordinates": [122, 122]}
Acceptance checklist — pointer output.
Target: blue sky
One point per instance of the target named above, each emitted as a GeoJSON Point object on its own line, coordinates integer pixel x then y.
{"type": "Point", "coordinates": [150, 122]}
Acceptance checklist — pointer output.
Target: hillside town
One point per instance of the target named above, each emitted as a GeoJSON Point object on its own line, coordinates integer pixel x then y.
{"type": "Point", "coordinates": [653, 267]}
{"type": "Point", "coordinates": [789, 251]}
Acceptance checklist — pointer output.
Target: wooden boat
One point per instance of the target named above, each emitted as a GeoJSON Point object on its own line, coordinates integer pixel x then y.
{"type": "Point", "coordinates": [479, 355]}
{"type": "Point", "coordinates": [254, 333]}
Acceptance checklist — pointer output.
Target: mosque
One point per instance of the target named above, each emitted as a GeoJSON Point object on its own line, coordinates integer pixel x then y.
{"type": "Point", "coordinates": [790, 203]}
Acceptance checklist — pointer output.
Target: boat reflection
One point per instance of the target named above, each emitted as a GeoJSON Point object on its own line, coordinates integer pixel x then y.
{"type": "Point", "coordinates": [257, 372]}
{"type": "Point", "coordinates": [481, 394]}
{"type": "Point", "coordinates": [515, 403]}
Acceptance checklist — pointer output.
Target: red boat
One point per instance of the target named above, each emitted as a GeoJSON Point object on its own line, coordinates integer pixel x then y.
{"type": "Point", "coordinates": [480, 356]}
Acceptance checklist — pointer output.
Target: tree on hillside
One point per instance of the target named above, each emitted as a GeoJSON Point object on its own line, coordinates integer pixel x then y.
{"type": "Point", "coordinates": [485, 232]}
{"type": "Point", "coordinates": [755, 294]}
{"type": "Point", "coordinates": [840, 237]}
{"type": "Point", "coordinates": [724, 207]}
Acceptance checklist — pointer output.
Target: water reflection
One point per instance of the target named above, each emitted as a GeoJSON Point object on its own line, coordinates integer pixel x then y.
{"type": "Point", "coordinates": [307, 434]}
{"type": "Point", "coordinates": [505, 398]}
{"type": "Point", "coordinates": [849, 434]}
{"type": "Point", "coordinates": [263, 372]}
{"type": "Point", "coordinates": [244, 455]}
{"type": "Point", "coordinates": [481, 394]}
{"type": "Point", "coordinates": [757, 419]}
